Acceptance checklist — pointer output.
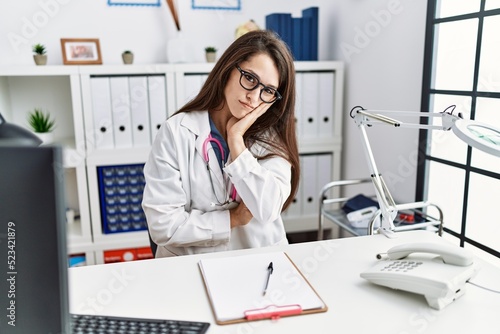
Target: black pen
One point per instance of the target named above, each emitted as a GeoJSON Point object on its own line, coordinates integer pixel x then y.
{"type": "Point", "coordinates": [269, 272]}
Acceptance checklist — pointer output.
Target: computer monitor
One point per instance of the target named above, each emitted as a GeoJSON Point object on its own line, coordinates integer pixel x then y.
{"type": "Point", "coordinates": [33, 283]}
{"type": "Point", "coordinates": [14, 134]}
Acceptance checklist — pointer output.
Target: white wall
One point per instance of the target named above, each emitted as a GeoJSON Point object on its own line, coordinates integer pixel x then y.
{"type": "Point", "coordinates": [145, 30]}
{"type": "Point", "coordinates": [383, 72]}
{"type": "Point", "coordinates": [381, 42]}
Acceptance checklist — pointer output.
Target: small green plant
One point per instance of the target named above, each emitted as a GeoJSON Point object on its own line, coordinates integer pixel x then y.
{"type": "Point", "coordinates": [127, 52]}
{"type": "Point", "coordinates": [210, 49]}
{"type": "Point", "coordinates": [39, 49]}
{"type": "Point", "coordinates": [40, 122]}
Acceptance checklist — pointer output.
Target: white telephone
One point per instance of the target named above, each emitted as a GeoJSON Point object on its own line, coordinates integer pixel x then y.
{"type": "Point", "coordinates": [440, 279]}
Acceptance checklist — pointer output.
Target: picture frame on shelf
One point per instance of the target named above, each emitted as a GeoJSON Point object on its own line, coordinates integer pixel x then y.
{"type": "Point", "coordinates": [81, 51]}
{"type": "Point", "coordinates": [216, 4]}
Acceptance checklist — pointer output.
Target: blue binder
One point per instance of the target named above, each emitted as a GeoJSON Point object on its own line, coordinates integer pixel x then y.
{"type": "Point", "coordinates": [300, 34]}
{"type": "Point", "coordinates": [312, 14]}
{"type": "Point", "coordinates": [306, 38]}
{"type": "Point", "coordinates": [273, 23]}
{"type": "Point", "coordinates": [297, 38]}
{"type": "Point", "coordinates": [281, 23]}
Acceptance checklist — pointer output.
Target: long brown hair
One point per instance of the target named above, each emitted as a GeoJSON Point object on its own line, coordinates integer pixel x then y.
{"type": "Point", "coordinates": [281, 114]}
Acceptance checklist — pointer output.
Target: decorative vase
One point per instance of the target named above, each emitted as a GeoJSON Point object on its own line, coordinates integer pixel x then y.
{"type": "Point", "coordinates": [210, 57]}
{"type": "Point", "coordinates": [46, 137]}
{"type": "Point", "coordinates": [40, 59]}
{"type": "Point", "coordinates": [128, 58]}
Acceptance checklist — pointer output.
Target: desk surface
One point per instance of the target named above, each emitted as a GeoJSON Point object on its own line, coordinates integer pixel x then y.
{"type": "Point", "coordinates": [172, 288]}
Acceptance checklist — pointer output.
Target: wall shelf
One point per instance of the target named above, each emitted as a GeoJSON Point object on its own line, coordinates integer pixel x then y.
{"type": "Point", "coordinates": [68, 93]}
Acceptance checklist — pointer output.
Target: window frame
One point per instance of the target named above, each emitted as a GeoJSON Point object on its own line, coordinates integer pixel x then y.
{"type": "Point", "coordinates": [428, 92]}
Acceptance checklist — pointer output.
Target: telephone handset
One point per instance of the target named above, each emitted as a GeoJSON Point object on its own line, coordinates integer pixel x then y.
{"type": "Point", "coordinates": [450, 254]}
{"type": "Point", "coordinates": [440, 279]}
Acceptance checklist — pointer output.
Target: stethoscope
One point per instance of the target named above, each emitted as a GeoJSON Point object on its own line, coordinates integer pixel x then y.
{"type": "Point", "coordinates": [207, 143]}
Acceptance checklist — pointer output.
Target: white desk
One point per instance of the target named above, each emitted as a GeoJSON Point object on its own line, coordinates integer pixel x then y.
{"type": "Point", "coordinates": [173, 288]}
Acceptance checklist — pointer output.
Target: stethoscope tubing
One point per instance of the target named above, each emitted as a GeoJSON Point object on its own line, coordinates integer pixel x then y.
{"type": "Point", "coordinates": [207, 142]}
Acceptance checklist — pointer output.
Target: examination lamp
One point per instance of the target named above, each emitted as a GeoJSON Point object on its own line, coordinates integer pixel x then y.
{"type": "Point", "coordinates": [14, 134]}
{"type": "Point", "coordinates": [478, 135]}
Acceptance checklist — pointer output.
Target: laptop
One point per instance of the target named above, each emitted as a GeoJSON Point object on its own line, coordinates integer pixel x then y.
{"type": "Point", "coordinates": [34, 277]}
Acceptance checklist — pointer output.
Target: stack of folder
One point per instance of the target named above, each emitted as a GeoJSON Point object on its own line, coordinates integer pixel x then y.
{"type": "Point", "coordinates": [127, 111]}
{"type": "Point", "coordinates": [301, 33]}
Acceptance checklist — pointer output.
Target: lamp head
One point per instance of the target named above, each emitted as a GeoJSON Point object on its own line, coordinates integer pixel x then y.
{"type": "Point", "coordinates": [482, 136]}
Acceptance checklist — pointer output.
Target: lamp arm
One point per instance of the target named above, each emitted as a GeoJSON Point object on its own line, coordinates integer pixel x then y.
{"type": "Point", "coordinates": [374, 117]}
{"type": "Point", "coordinates": [364, 118]}
{"type": "Point", "coordinates": [385, 200]}
{"type": "Point", "coordinates": [481, 136]}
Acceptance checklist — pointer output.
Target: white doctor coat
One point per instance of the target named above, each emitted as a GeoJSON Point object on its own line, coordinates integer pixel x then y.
{"type": "Point", "coordinates": [178, 199]}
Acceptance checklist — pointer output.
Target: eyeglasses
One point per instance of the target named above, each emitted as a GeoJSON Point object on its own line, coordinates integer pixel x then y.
{"type": "Point", "coordinates": [250, 82]}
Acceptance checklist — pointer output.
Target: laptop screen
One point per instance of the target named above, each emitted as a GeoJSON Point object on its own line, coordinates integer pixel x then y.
{"type": "Point", "coordinates": [33, 284]}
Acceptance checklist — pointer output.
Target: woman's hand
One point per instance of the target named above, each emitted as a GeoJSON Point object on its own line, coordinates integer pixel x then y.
{"type": "Point", "coordinates": [240, 215]}
{"type": "Point", "coordinates": [236, 128]}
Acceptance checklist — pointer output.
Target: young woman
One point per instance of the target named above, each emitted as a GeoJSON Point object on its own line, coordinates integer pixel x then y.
{"type": "Point", "coordinates": [225, 165]}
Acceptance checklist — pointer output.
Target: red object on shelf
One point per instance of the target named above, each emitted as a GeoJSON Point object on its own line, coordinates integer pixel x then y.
{"type": "Point", "coordinates": [120, 255]}
{"type": "Point", "coordinates": [144, 253]}
{"type": "Point", "coordinates": [408, 218]}
{"type": "Point", "coordinates": [129, 254]}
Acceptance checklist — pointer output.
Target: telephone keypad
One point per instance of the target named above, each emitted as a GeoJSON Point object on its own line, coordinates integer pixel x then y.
{"type": "Point", "coordinates": [401, 266]}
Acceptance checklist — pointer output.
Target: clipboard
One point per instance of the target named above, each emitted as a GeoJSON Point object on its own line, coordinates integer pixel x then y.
{"type": "Point", "coordinates": [235, 286]}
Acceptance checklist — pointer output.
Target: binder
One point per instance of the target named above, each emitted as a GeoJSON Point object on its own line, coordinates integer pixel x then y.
{"type": "Point", "coordinates": [294, 209]}
{"type": "Point", "coordinates": [325, 165]}
{"type": "Point", "coordinates": [310, 190]}
{"type": "Point", "coordinates": [281, 23]}
{"type": "Point", "coordinates": [139, 109]}
{"type": "Point", "coordinates": [101, 112]}
{"type": "Point", "coordinates": [157, 103]}
{"type": "Point", "coordinates": [273, 22]}
{"type": "Point", "coordinates": [310, 104]}
{"type": "Point", "coordinates": [192, 86]}
{"type": "Point", "coordinates": [299, 109]}
{"type": "Point", "coordinates": [286, 26]}
{"type": "Point", "coordinates": [300, 34]}
{"type": "Point", "coordinates": [120, 105]}
{"type": "Point", "coordinates": [312, 14]}
{"type": "Point", "coordinates": [297, 38]}
{"type": "Point", "coordinates": [326, 107]}
{"type": "Point", "coordinates": [306, 38]}
{"type": "Point", "coordinates": [235, 286]}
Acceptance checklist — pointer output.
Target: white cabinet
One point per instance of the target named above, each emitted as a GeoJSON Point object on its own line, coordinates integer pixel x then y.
{"type": "Point", "coordinates": [57, 90]}
{"type": "Point", "coordinates": [123, 109]}
{"type": "Point", "coordinates": [319, 128]}
{"type": "Point", "coordinates": [107, 117]}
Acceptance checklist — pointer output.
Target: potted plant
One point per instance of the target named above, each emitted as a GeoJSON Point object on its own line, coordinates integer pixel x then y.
{"type": "Point", "coordinates": [40, 55]}
{"type": "Point", "coordinates": [128, 57]}
{"type": "Point", "coordinates": [42, 125]}
{"type": "Point", "coordinates": [210, 53]}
